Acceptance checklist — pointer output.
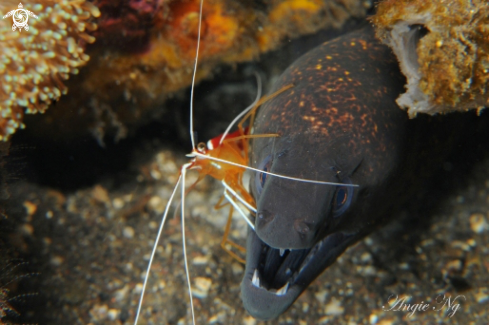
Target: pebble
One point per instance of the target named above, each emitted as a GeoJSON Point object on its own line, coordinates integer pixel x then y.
{"type": "Point", "coordinates": [369, 241]}
{"type": "Point", "coordinates": [366, 258]}
{"type": "Point", "coordinates": [99, 312]}
{"type": "Point", "coordinates": [57, 260]}
{"type": "Point", "coordinates": [156, 204]}
{"type": "Point", "coordinates": [471, 242]}
{"type": "Point", "coordinates": [201, 287]}
{"type": "Point", "coordinates": [100, 194]}
{"type": "Point", "coordinates": [27, 229]}
{"type": "Point", "coordinates": [121, 294]}
{"type": "Point", "coordinates": [478, 223]}
{"type": "Point", "coordinates": [454, 266]}
{"type": "Point", "coordinates": [427, 242]}
{"type": "Point", "coordinates": [201, 260]}
{"type": "Point", "coordinates": [118, 203]}
{"type": "Point", "coordinates": [249, 321]}
{"type": "Point", "coordinates": [482, 295]}
{"type": "Point", "coordinates": [321, 296]}
{"type": "Point", "coordinates": [113, 314]}
{"type": "Point", "coordinates": [138, 288]}
{"type": "Point", "coordinates": [334, 308]}
{"type": "Point", "coordinates": [404, 266]}
{"type": "Point", "coordinates": [49, 214]}
{"type": "Point", "coordinates": [373, 319]}
{"type": "Point", "coordinates": [368, 270]}
{"type": "Point", "coordinates": [461, 245]}
{"type": "Point", "coordinates": [152, 225]}
{"type": "Point", "coordinates": [30, 208]}
{"type": "Point", "coordinates": [217, 319]}
{"type": "Point", "coordinates": [128, 232]}
{"type": "Point", "coordinates": [324, 320]}
{"type": "Point", "coordinates": [237, 268]}
{"type": "Point", "coordinates": [162, 284]}
{"type": "Point", "coordinates": [155, 174]}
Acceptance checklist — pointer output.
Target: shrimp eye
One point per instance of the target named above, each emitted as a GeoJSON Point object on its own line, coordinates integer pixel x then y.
{"type": "Point", "coordinates": [201, 147]}
{"type": "Point", "coordinates": [341, 200]}
{"type": "Point", "coordinates": [261, 178]}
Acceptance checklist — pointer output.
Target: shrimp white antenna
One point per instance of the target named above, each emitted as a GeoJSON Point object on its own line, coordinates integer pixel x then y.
{"type": "Point", "coordinates": [236, 206]}
{"type": "Point", "coordinates": [233, 192]}
{"type": "Point", "coordinates": [155, 246]}
{"type": "Point", "coordinates": [187, 273]}
{"type": "Point", "coordinates": [269, 173]}
{"type": "Point", "coordinates": [193, 78]}
{"type": "Point", "coordinates": [246, 110]}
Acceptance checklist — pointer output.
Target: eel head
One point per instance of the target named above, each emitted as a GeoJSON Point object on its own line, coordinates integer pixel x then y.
{"type": "Point", "coordinates": [301, 228]}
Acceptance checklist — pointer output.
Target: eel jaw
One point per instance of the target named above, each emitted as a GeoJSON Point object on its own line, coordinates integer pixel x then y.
{"type": "Point", "coordinates": [273, 282]}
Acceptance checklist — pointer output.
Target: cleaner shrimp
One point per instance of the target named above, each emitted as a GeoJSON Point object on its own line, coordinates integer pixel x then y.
{"type": "Point", "coordinates": [225, 158]}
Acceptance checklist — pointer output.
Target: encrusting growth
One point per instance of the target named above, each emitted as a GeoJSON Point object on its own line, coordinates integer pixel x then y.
{"type": "Point", "coordinates": [448, 68]}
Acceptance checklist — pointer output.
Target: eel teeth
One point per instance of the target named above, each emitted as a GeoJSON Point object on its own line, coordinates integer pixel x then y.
{"type": "Point", "coordinates": [256, 279]}
{"type": "Point", "coordinates": [282, 291]}
{"type": "Point", "coordinates": [282, 251]}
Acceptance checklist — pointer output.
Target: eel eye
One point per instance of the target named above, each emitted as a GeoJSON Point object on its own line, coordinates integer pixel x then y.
{"type": "Point", "coordinates": [342, 199]}
{"type": "Point", "coordinates": [261, 178]}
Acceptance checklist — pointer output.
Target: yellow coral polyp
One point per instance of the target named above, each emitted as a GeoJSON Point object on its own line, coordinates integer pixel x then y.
{"type": "Point", "coordinates": [33, 62]}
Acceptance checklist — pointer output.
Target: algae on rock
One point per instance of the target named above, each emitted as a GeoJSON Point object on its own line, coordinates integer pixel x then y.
{"type": "Point", "coordinates": [443, 49]}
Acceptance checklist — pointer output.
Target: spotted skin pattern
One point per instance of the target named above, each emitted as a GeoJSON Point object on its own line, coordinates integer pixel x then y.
{"type": "Point", "coordinates": [336, 116]}
{"type": "Point", "coordinates": [339, 122]}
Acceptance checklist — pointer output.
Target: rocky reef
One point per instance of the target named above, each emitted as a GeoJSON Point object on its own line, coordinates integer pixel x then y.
{"type": "Point", "coordinates": [144, 53]}
{"type": "Point", "coordinates": [443, 50]}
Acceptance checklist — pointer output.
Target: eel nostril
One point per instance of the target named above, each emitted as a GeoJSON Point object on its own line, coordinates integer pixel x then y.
{"type": "Point", "coordinates": [301, 227]}
{"type": "Point", "coordinates": [264, 217]}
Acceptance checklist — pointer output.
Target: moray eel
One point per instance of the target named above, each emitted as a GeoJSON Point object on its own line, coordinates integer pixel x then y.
{"type": "Point", "coordinates": [338, 123]}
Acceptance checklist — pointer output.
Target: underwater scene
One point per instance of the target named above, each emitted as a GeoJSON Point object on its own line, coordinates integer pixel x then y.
{"type": "Point", "coordinates": [244, 162]}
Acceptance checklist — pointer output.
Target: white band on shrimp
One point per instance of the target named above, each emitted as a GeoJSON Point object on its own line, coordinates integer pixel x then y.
{"type": "Point", "coordinates": [237, 207]}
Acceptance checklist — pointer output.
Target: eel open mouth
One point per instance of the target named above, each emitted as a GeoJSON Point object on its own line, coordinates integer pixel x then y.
{"type": "Point", "coordinates": [274, 278]}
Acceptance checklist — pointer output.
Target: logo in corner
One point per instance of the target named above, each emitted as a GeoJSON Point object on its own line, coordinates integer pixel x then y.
{"type": "Point", "coordinates": [20, 17]}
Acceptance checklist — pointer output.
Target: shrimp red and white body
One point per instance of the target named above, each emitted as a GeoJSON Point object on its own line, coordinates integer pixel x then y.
{"type": "Point", "coordinates": [225, 159]}
{"type": "Point", "coordinates": [223, 148]}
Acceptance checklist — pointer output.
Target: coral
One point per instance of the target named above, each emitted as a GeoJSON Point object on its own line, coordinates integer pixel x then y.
{"type": "Point", "coordinates": [447, 69]}
{"type": "Point", "coordinates": [145, 51]}
{"type": "Point", "coordinates": [34, 62]}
